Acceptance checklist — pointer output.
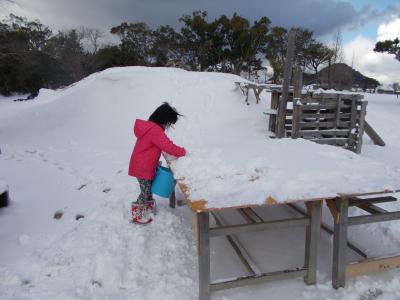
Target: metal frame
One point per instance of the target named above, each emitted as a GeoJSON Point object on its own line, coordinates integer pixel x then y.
{"type": "Point", "coordinates": [204, 233]}
{"type": "Point", "coordinates": [340, 268]}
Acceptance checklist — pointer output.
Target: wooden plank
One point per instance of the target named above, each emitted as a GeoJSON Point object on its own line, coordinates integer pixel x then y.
{"type": "Point", "coordinates": [361, 126]}
{"type": "Point", "coordinates": [243, 228]}
{"type": "Point", "coordinates": [311, 245]}
{"type": "Point", "coordinates": [353, 128]}
{"type": "Point", "coordinates": [286, 82]}
{"type": "Point", "coordinates": [274, 106]}
{"type": "Point", "coordinates": [326, 95]}
{"type": "Point", "coordinates": [373, 135]}
{"type": "Point", "coordinates": [245, 216]}
{"type": "Point", "coordinates": [204, 256]}
{"type": "Point", "coordinates": [295, 122]}
{"type": "Point", "coordinates": [356, 201]}
{"type": "Point", "coordinates": [383, 217]}
{"type": "Point", "coordinates": [252, 215]}
{"type": "Point", "coordinates": [331, 141]}
{"type": "Point", "coordinates": [339, 244]}
{"type": "Point", "coordinates": [369, 193]}
{"type": "Point", "coordinates": [330, 132]}
{"type": "Point", "coordinates": [318, 106]}
{"type": "Point", "coordinates": [318, 115]}
{"type": "Point", "coordinates": [195, 223]}
{"type": "Point", "coordinates": [338, 108]}
{"type": "Point", "coordinates": [329, 230]}
{"type": "Point", "coordinates": [332, 208]}
{"type": "Point", "coordinates": [172, 198]}
{"type": "Point", "coordinates": [255, 279]}
{"type": "Point", "coordinates": [329, 125]}
{"type": "Point", "coordinates": [298, 82]}
{"type": "Point", "coordinates": [372, 265]}
{"type": "Point", "coordinates": [372, 209]}
{"type": "Point", "coordinates": [237, 246]}
{"type": "Point", "coordinates": [257, 91]}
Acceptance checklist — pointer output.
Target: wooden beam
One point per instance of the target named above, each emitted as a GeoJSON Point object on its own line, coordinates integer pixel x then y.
{"type": "Point", "coordinates": [298, 83]}
{"type": "Point", "coordinates": [382, 217]}
{"type": "Point", "coordinates": [204, 256]}
{"type": "Point", "coordinates": [372, 265]}
{"type": "Point", "coordinates": [373, 135]}
{"type": "Point", "coordinates": [329, 230]}
{"type": "Point", "coordinates": [286, 82]}
{"type": "Point", "coordinates": [252, 215]}
{"type": "Point", "coordinates": [372, 209]}
{"type": "Point", "coordinates": [242, 228]}
{"type": "Point", "coordinates": [255, 279]}
{"type": "Point", "coordinates": [357, 201]}
{"type": "Point", "coordinates": [340, 243]}
{"type": "Point", "coordinates": [361, 126]}
{"type": "Point", "coordinates": [237, 246]}
{"type": "Point", "coordinates": [311, 248]}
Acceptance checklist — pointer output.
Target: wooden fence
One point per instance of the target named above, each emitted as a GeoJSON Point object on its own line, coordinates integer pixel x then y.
{"type": "Point", "coordinates": [327, 118]}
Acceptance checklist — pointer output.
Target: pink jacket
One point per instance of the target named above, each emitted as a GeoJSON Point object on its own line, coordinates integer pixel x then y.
{"type": "Point", "coordinates": [151, 140]}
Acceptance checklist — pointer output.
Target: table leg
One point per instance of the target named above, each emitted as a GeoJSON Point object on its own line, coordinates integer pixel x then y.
{"type": "Point", "coordinates": [339, 243]}
{"type": "Point", "coordinates": [247, 96]}
{"type": "Point", "coordinates": [172, 199]}
{"type": "Point", "coordinates": [203, 221]}
{"type": "Point", "coordinates": [312, 233]}
{"type": "Point", "coordinates": [257, 93]}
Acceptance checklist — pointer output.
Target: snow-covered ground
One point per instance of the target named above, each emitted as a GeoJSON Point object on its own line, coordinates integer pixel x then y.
{"type": "Point", "coordinates": [67, 152]}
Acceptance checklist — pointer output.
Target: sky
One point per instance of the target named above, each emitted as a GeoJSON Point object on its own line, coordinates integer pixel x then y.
{"type": "Point", "coordinates": [361, 22]}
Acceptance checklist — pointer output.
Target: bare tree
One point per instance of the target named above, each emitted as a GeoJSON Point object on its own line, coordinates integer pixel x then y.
{"type": "Point", "coordinates": [90, 38]}
{"type": "Point", "coordinates": [336, 57]}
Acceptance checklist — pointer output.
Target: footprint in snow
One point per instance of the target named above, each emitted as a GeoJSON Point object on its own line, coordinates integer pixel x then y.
{"type": "Point", "coordinates": [81, 186]}
{"type": "Point", "coordinates": [58, 214]}
{"type": "Point", "coordinates": [97, 283]}
{"type": "Point", "coordinates": [79, 216]}
{"type": "Point", "coordinates": [30, 151]}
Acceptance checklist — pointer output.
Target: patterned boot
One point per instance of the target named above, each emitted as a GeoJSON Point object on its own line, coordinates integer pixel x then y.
{"type": "Point", "coordinates": [140, 214]}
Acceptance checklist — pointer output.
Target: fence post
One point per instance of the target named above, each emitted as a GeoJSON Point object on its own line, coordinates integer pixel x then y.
{"type": "Point", "coordinates": [286, 83]}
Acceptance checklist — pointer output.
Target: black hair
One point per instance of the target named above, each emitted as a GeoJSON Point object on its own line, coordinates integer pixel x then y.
{"type": "Point", "coordinates": [165, 115]}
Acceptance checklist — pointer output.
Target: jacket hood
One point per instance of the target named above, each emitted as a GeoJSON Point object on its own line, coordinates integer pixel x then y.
{"type": "Point", "coordinates": [142, 127]}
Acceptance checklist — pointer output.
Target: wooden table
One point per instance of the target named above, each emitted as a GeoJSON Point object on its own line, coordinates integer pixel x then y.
{"type": "Point", "coordinates": [256, 87]}
{"type": "Point", "coordinates": [311, 220]}
{"type": "Point", "coordinates": [204, 232]}
{"type": "Point", "coordinates": [341, 269]}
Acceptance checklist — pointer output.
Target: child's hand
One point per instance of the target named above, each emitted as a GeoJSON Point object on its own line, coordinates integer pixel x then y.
{"type": "Point", "coordinates": [169, 157]}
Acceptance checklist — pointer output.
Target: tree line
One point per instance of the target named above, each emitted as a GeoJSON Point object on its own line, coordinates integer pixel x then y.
{"type": "Point", "coordinates": [32, 56]}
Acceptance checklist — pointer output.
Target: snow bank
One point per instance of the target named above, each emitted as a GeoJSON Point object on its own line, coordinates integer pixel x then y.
{"type": "Point", "coordinates": [69, 150]}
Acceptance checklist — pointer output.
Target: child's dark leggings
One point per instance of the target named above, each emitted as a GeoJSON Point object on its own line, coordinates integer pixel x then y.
{"type": "Point", "coordinates": [145, 191]}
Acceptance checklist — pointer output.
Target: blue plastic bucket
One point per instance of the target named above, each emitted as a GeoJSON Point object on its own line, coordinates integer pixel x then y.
{"type": "Point", "coordinates": [163, 182]}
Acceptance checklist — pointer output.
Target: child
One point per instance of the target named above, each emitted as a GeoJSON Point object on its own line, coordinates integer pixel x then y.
{"type": "Point", "coordinates": [151, 140]}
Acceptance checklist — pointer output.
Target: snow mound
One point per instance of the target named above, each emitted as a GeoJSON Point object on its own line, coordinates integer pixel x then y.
{"type": "Point", "coordinates": [68, 151]}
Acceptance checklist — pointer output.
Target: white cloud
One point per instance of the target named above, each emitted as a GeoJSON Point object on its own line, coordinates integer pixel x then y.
{"type": "Point", "coordinates": [389, 30]}
{"type": "Point", "coordinates": [381, 66]}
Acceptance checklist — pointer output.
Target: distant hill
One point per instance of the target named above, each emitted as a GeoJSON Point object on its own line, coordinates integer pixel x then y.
{"type": "Point", "coordinates": [340, 76]}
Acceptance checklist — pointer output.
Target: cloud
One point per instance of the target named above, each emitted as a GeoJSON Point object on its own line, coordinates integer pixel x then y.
{"type": "Point", "coordinates": [321, 16]}
{"type": "Point", "coordinates": [389, 30]}
{"type": "Point", "coordinates": [381, 66]}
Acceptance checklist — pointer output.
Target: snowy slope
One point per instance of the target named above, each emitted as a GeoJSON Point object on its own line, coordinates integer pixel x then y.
{"type": "Point", "coordinates": [68, 151]}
